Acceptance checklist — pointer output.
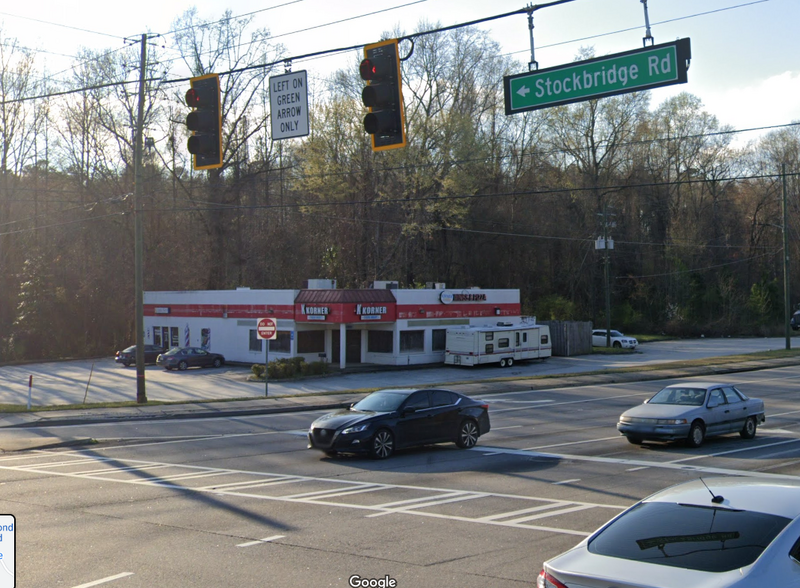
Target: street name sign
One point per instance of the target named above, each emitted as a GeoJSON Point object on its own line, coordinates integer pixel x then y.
{"type": "Point", "coordinates": [631, 71]}
{"type": "Point", "coordinates": [288, 99]}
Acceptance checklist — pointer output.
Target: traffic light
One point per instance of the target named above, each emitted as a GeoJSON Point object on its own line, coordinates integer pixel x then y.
{"type": "Point", "coordinates": [205, 122]}
{"type": "Point", "coordinates": [383, 95]}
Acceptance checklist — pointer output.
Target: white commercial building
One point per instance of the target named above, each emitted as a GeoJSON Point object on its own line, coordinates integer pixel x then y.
{"type": "Point", "coordinates": [380, 325]}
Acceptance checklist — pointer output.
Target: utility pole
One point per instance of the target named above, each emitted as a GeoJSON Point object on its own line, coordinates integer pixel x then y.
{"type": "Point", "coordinates": [787, 312]}
{"type": "Point", "coordinates": [141, 395]}
{"type": "Point", "coordinates": [607, 275]}
{"type": "Point", "coordinates": [606, 245]}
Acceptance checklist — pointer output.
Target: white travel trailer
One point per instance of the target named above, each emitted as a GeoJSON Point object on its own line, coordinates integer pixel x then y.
{"type": "Point", "coordinates": [503, 343]}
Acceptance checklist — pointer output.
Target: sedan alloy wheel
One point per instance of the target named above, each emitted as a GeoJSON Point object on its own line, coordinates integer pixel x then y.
{"type": "Point", "coordinates": [382, 444]}
{"type": "Point", "coordinates": [467, 434]}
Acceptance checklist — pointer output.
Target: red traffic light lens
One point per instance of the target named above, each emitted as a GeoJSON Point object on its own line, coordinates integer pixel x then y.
{"type": "Point", "coordinates": [192, 98]}
{"type": "Point", "coordinates": [367, 69]}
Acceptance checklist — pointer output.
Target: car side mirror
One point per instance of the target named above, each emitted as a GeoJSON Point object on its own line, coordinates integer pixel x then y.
{"type": "Point", "coordinates": [713, 403]}
{"type": "Point", "coordinates": [409, 410]}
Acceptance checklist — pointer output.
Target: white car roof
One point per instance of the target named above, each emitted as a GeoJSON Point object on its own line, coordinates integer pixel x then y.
{"type": "Point", "coordinates": [705, 385]}
{"type": "Point", "coordinates": [775, 496]}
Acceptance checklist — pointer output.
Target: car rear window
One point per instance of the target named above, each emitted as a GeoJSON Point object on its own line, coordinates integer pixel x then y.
{"type": "Point", "coordinates": [686, 536]}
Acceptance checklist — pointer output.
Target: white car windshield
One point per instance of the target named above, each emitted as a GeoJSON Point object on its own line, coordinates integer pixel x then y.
{"type": "Point", "coordinates": [683, 396]}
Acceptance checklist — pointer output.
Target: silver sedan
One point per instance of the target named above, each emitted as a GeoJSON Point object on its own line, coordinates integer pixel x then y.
{"type": "Point", "coordinates": [692, 411]}
{"type": "Point", "coordinates": [712, 532]}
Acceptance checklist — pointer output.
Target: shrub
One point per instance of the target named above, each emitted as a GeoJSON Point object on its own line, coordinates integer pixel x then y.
{"type": "Point", "coordinates": [281, 369]}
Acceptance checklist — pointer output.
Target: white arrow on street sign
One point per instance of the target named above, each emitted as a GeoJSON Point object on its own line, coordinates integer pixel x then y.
{"type": "Point", "coordinates": [267, 329]}
{"type": "Point", "coordinates": [523, 91]}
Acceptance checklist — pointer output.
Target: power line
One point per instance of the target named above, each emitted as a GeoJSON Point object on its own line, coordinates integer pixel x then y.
{"type": "Point", "coordinates": [58, 24]}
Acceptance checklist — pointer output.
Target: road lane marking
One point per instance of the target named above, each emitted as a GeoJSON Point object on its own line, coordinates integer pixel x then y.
{"type": "Point", "coordinates": [261, 541]}
{"type": "Point", "coordinates": [435, 502]}
{"type": "Point", "coordinates": [332, 493]}
{"type": "Point", "coordinates": [571, 443]}
{"type": "Point", "coordinates": [549, 513]}
{"type": "Point", "coordinates": [105, 580]}
{"type": "Point", "coordinates": [419, 499]}
{"type": "Point", "coordinates": [567, 481]}
{"type": "Point", "coordinates": [420, 506]}
{"type": "Point", "coordinates": [675, 465]}
{"type": "Point", "coordinates": [566, 402]}
{"type": "Point", "coordinates": [504, 428]}
{"type": "Point", "coordinates": [541, 507]}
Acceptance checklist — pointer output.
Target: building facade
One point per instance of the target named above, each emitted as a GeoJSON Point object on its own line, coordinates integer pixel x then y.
{"type": "Point", "coordinates": [380, 325]}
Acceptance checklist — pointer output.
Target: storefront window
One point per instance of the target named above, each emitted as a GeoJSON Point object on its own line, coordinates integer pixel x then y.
{"type": "Point", "coordinates": [157, 337]}
{"type": "Point", "coordinates": [205, 338]}
{"type": "Point", "coordinates": [310, 342]}
{"type": "Point", "coordinates": [282, 343]}
{"type": "Point", "coordinates": [255, 342]}
{"type": "Point", "coordinates": [439, 339]}
{"type": "Point", "coordinates": [174, 335]}
{"type": "Point", "coordinates": [411, 341]}
{"type": "Point", "coordinates": [379, 342]}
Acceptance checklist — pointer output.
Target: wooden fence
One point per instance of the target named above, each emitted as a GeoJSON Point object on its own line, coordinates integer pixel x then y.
{"type": "Point", "coordinates": [570, 337]}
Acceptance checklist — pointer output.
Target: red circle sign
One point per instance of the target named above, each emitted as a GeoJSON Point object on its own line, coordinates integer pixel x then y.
{"type": "Point", "coordinates": [267, 328]}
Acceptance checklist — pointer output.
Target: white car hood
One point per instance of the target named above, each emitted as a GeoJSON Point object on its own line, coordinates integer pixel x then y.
{"type": "Point", "coordinates": [659, 411]}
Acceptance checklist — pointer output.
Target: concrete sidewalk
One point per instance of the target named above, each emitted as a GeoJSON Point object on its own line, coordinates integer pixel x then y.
{"type": "Point", "coordinates": [23, 431]}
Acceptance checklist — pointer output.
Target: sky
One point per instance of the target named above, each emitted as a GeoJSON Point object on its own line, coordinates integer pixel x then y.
{"type": "Point", "coordinates": [745, 63]}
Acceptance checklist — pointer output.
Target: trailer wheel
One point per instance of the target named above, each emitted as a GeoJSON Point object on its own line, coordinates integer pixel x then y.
{"type": "Point", "coordinates": [510, 361]}
{"type": "Point", "coordinates": [503, 363]}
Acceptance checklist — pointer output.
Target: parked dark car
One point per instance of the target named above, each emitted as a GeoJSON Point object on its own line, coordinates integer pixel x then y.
{"type": "Point", "coordinates": [185, 357]}
{"type": "Point", "coordinates": [127, 356]}
{"type": "Point", "coordinates": [387, 420]}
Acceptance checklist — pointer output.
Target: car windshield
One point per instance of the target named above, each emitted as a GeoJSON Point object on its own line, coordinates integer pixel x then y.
{"type": "Point", "coordinates": [380, 402]}
{"type": "Point", "coordinates": [684, 396]}
{"type": "Point", "coordinates": [687, 536]}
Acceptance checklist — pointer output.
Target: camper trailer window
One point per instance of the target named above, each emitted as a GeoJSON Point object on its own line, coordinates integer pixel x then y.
{"type": "Point", "coordinates": [502, 343]}
{"type": "Point", "coordinates": [544, 339]}
{"type": "Point", "coordinates": [489, 348]}
{"type": "Point", "coordinates": [489, 336]}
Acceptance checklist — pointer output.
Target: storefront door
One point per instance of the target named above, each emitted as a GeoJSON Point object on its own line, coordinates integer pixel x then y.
{"type": "Point", "coordinates": [353, 352]}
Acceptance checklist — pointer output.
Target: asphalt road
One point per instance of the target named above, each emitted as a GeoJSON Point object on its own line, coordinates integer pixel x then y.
{"type": "Point", "coordinates": [242, 502]}
{"type": "Point", "coordinates": [73, 382]}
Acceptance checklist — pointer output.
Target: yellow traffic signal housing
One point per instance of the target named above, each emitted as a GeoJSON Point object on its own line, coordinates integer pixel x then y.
{"type": "Point", "coordinates": [205, 122]}
{"type": "Point", "coordinates": [383, 95]}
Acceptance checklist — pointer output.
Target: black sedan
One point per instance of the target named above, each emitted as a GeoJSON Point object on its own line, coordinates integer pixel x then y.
{"type": "Point", "coordinates": [394, 419]}
{"type": "Point", "coordinates": [127, 356]}
{"type": "Point", "coordinates": [186, 357]}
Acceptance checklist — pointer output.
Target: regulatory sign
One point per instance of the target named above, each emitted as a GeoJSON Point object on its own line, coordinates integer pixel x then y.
{"type": "Point", "coordinates": [267, 329]}
{"type": "Point", "coordinates": [288, 98]}
{"type": "Point", "coordinates": [632, 71]}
